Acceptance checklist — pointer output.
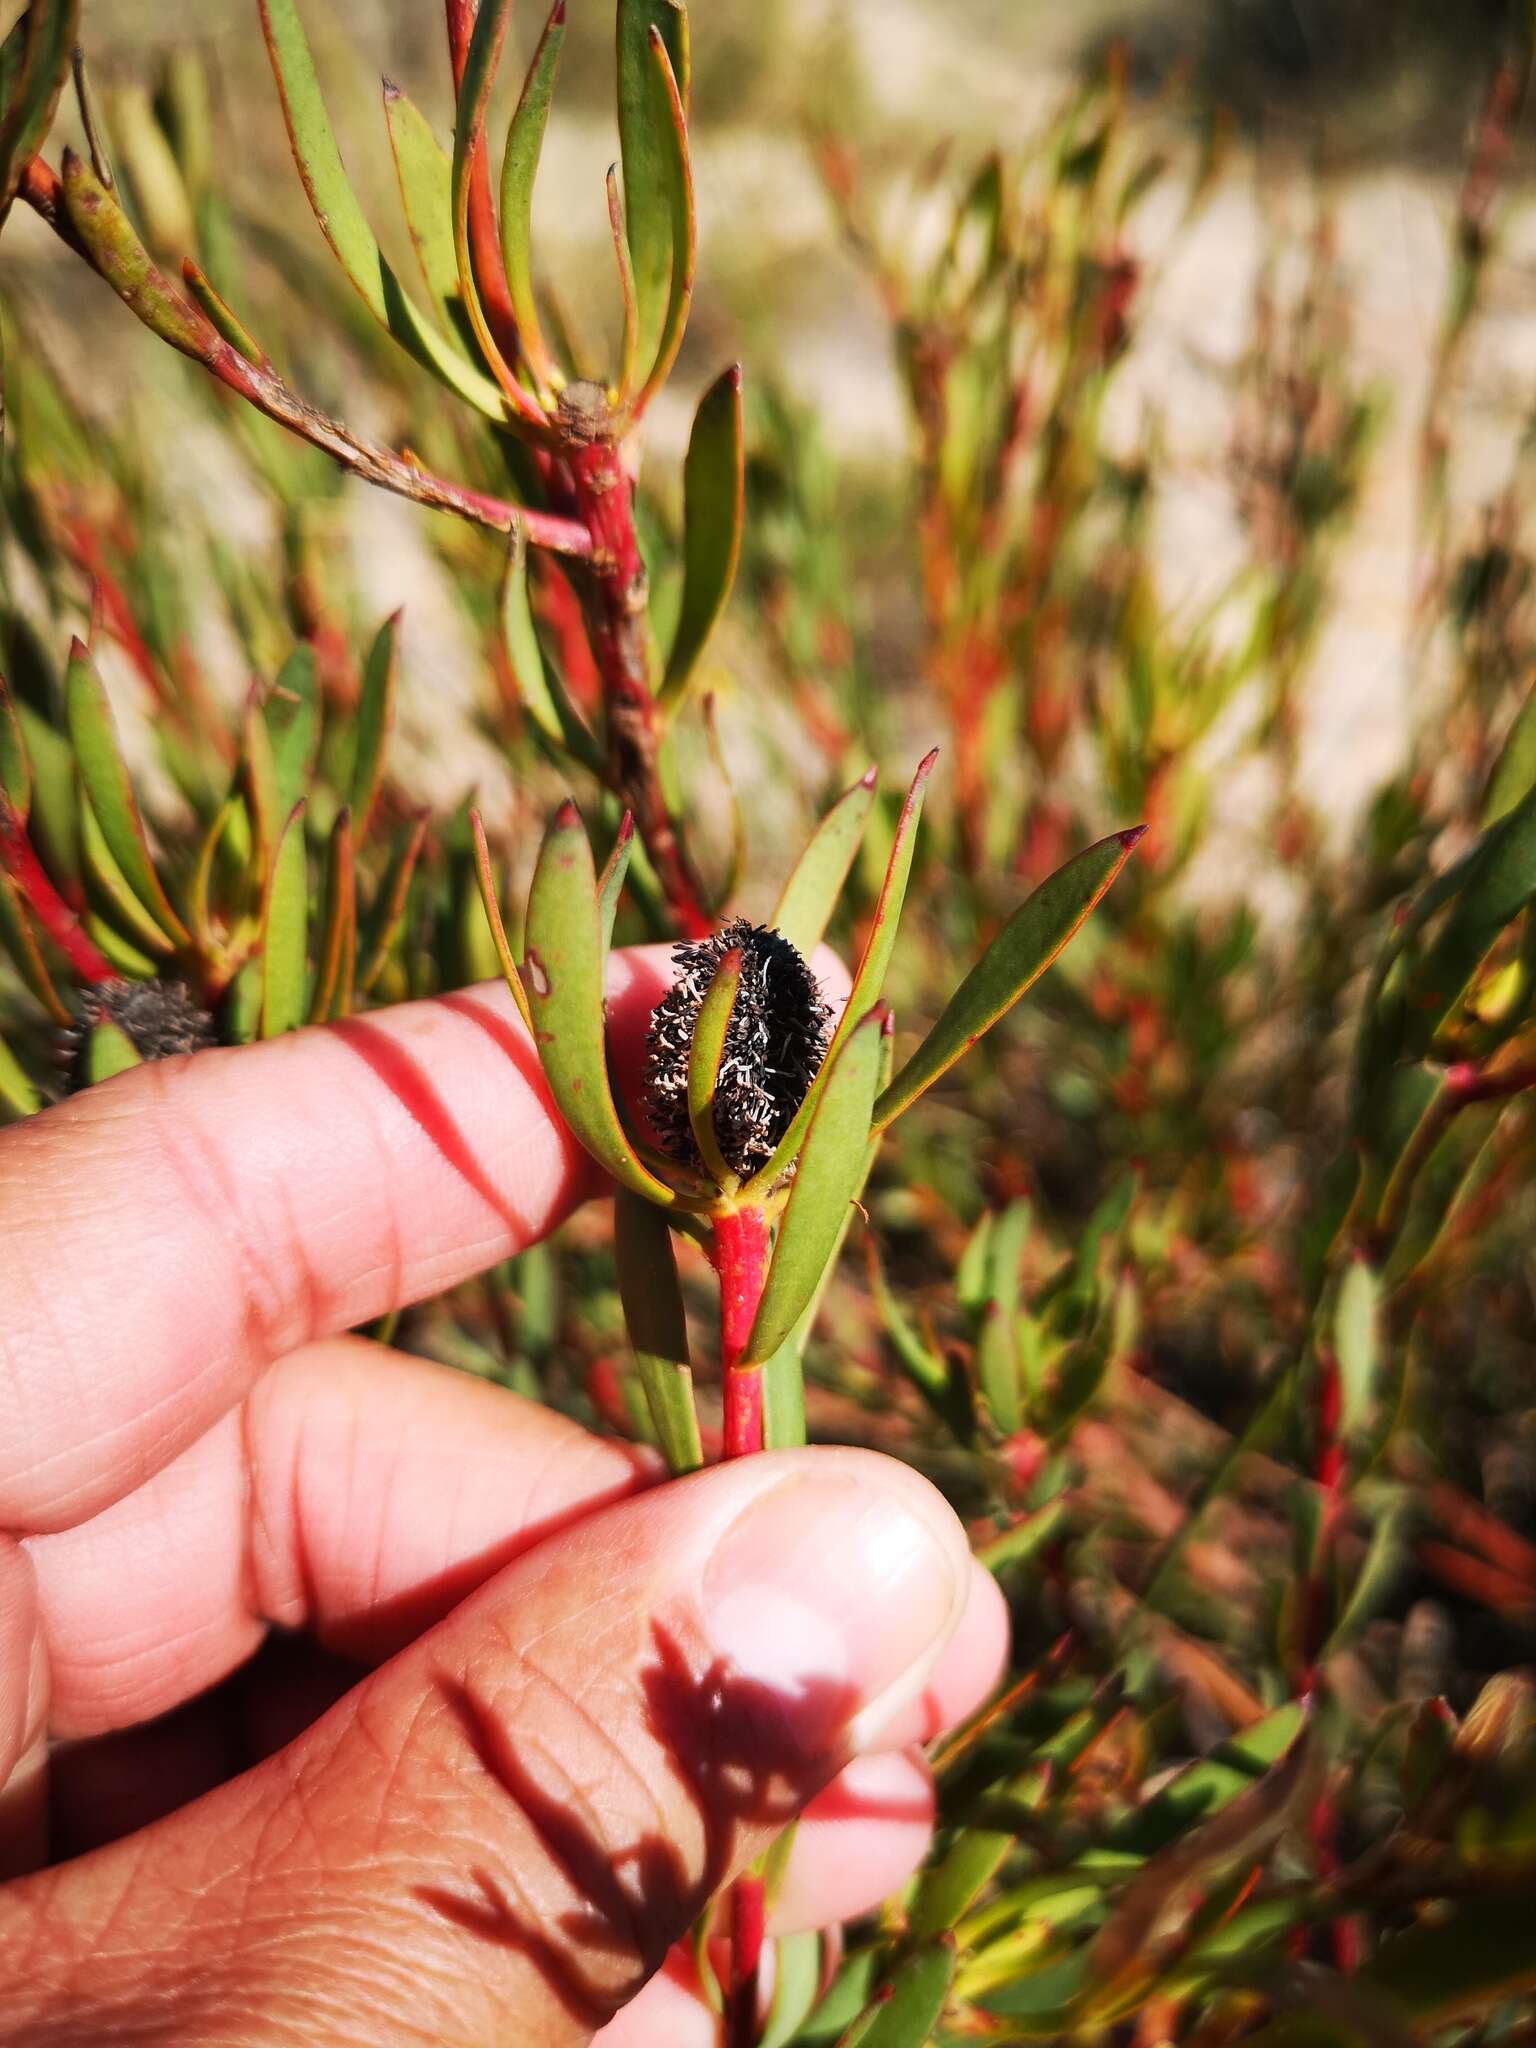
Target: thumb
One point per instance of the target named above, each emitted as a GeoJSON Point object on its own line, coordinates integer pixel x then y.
{"type": "Point", "coordinates": [498, 1834]}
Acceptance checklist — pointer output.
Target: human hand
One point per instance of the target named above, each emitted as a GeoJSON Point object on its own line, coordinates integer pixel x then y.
{"type": "Point", "coordinates": [366, 1702]}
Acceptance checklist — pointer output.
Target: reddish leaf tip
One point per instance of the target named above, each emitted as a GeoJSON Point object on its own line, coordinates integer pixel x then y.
{"type": "Point", "coordinates": [557, 14]}
{"type": "Point", "coordinates": [391, 91]}
{"type": "Point", "coordinates": [868, 779]}
{"type": "Point", "coordinates": [925, 766]}
{"type": "Point", "coordinates": [78, 651]}
{"type": "Point", "coordinates": [626, 830]}
{"type": "Point", "coordinates": [567, 816]}
{"type": "Point", "coordinates": [733, 376]}
{"type": "Point", "coordinates": [1132, 836]}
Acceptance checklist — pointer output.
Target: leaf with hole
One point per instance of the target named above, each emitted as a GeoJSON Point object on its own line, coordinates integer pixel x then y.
{"type": "Point", "coordinates": [563, 976]}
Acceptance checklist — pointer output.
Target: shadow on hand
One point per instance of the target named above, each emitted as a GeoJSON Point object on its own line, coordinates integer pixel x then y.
{"type": "Point", "coordinates": [750, 1756]}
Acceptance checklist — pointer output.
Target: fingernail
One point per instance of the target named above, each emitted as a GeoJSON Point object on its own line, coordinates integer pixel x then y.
{"type": "Point", "coordinates": [835, 1593]}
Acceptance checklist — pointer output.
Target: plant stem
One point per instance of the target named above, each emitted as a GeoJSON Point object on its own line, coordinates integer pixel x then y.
{"type": "Point", "coordinates": [740, 1253]}
{"type": "Point", "coordinates": [749, 1914]}
{"type": "Point", "coordinates": [615, 593]}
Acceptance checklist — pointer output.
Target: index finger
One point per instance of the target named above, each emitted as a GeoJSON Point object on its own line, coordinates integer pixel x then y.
{"type": "Point", "coordinates": [165, 1236]}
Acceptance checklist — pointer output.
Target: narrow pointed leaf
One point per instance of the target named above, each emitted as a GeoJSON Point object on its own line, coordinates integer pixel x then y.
{"type": "Point", "coordinates": [646, 151]}
{"type": "Point", "coordinates": [53, 821]}
{"type": "Point", "coordinates": [15, 766]}
{"type": "Point", "coordinates": [105, 780]}
{"type": "Point", "coordinates": [952, 1887]}
{"type": "Point", "coordinates": [1497, 881]}
{"type": "Point", "coordinates": [387, 912]}
{"type": "Point", "coordinates": [16, 1091]}
{"type": "Point", "coordinates": [341, 219]}
{"type": "Point", "coordinates": [1514, 773]}
{"type": "Point", "coordinates": [519, 168]}
{"type": "Point", "coordinates": [712, 513]}
{"type": "Point", "coordinates": [626, 283]}
{"type": "Point", "coordinates": [816, 880]}
{"type": "Point", "coordinates": [1357, 1338]}
{"type": "Point", "coordinates": [121, 954]}
{"type": "Point", "coordinates": [905, 2013]}
{"type": "Point", "coordinates": [541, 694]}
{"type": "Point", "coordinates": [869, 979]}
{"type": "Point", "coordinates": [672, 124]}
{"type": "Point", "coordinates": [611, 884]}
{"type": "Point", "coordinates": [20, 942]}
{"type": "Point", "coordinates": [116, 251]}
{"type": "Point", "coordinates": [34, 65]}
{"type": "Point", "coordinates": [375, 720]}
{"type": "Point", "coordinates": [334, 968]}
{"type": "Point", "coordinates": [293, 725]}
{"type": "Point", "coordinates": [425, 178]}
{"type": "Point", "coordinates": [200, 885]}
{"type": "Point", "coordinates": [485, 874]}
{"type": "Point", "coordinates": [796, 1982]}
{"type": "Point", "coordinates": [222, 315]}
{"type": "Point", "coordinates": [658, 1327]}
{"type": "Point", "coordinates": [285, 932]}
{"type": "Point", "coordinates": [1017, 957]}
{"type": "Point", "coordinates": [108, 1051]}
{"type": "Point", "coordinates": [704, 1056]}
{"type": "Point", "coordinates": [563, 976]}
{"type": "Point", "coordinates": [112, 887]}
{"type": "Point", "coordinates": [833, 1162]}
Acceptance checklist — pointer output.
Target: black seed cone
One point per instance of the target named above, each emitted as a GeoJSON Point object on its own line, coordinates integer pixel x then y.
{"type": "Point", "coordinates": [158, 1019]}
{"type": "Point", "coordinates": [775, 1041]}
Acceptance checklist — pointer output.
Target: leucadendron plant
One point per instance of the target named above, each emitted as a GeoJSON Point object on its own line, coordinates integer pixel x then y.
{"type": "Point", "coordinates": [568, 441]}
{"type": "Point", "coordinates": [133, 956]}
{"type": "Point", "coordinates": [756, 1130]}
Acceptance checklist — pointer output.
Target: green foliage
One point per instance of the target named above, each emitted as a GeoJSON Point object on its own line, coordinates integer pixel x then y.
{"type": "Point", "coordinates": [1198, 1282]}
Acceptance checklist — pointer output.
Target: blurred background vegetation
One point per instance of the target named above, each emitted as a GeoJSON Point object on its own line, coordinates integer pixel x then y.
{"type": "Point", "coordinates": [1139, 405]}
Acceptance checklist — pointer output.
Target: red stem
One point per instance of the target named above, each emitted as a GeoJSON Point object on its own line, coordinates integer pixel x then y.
{"type": "Point", "coordinates": [749, 1914]}
{"type": "Point", "coordinates": [616, 594]}
{"type": "Point", "coordinates": [45, 902]}
{"type": "Point", "coordinates": [740, 1252]}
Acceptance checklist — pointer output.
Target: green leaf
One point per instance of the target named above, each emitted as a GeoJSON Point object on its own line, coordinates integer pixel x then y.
{"type": "Point", "coordinates": [125, 957]}
{"type": "Point", "coordinates": [337, 962]}
{"type": "Point", "coordinates": [796, 1981]}
{"type": "Point", "coordinates": [1017, 957]}
{"type": "Point", "coordinates": [610, 885]}
{"type": "Point", "coordinates": [34, 65]}
{"type": "Point", "coordinates": [54, 822]}
{"type": "Point", "coordinates": [1514, 773]}
{"type": "Point", "coordinates": [485, 874]}
{"type": "Point", "coordinates": [870, 977]}
{"type": "Point", "coordinates": [704, 1056]}
{"type": "Point", "coordinates": [292, 718]}
{"type": "Point", "coordinates": [671, 122]}
{"type": "Point", "coordinates": [222, 315]}
{"type": "Point", "coordinates": [519, 168]}
{"type": "Point", "coordinates": [1203, 1788]}
{"type": "Point", "coordinates": [563, 976]}
{"type": "Point", "coordinates": [15, 766]}
{"type": "Point", "coordinates": [997, 1369]}
{"type": "Point", "coordinates": [1496, 881]}
{"type": "Point", "coordinates": [105, 779]}
{"type": "Point", "coordinates": [541, 695]}
{"type": "Point", "coordinates": [833, 1162]}
{"type": "Point", "coordinates": [480, 62]}
{"type": "Point", "coordinates": [375, 721]}
{"type": "Point", "coordinates": [713, 484]}
{"type": "Point", "coordinates": [108, 1051]}
{"type": "Point", "coordinates": [647, 151]}
{"type": "Point", "coordinates": [1356, 1343]}
{"type": "Point", "coordinates": [906, 2011]}
{"type": "Point", "coordinates": [16, 1091]}
{"type": "Point", "coordinates": [425, 178]}
{"type": "Point", "coordinates": [953, 1886]}
{"type": "Point", "coordinates": [121, 258]}
{"type": "Point", "coordinates": [285, 932]}
{"type": "Point", "coordinates": [341, 220]}
{"type": "Point", "coordinates": [111, 885]}
{"type": "Point", "coordinates": [816, 880]}
{"type": "Point", "coordinates": [658, 1327]}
